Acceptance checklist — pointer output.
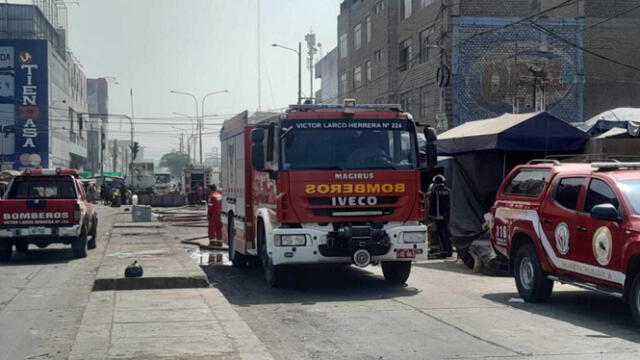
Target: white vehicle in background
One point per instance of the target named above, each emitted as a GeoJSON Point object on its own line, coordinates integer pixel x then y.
{"type": "Point", "coordinates": [164, 183]}
{"type": "Point", "coordinates": [142, 178]}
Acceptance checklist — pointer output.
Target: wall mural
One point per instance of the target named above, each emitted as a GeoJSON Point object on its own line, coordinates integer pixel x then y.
{"type": "Point", "coordinates": [498, 71]}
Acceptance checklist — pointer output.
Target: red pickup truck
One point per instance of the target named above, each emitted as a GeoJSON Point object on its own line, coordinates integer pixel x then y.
{"type": "Point", "coordinates": [44, 207]}
{"type": "Point", "coordinates": [575, 224]}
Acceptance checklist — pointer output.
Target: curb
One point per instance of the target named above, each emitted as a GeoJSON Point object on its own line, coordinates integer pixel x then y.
{"type": "Point", "coordinates": [150, 283]}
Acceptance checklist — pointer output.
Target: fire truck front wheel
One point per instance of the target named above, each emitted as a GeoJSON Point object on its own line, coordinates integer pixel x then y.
{"type": "Point", "coordinates": [396, 272]}
{"type": "Point", "coordinates": [531, 280]}
{"type": "Point", "coordinates": [275, 275]}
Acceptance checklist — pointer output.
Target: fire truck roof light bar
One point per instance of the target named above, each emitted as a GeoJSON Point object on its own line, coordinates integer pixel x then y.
{"type": "Point", "coordinates": [338, 107]}
{"type": "Point", "coordinates": [616, 166]}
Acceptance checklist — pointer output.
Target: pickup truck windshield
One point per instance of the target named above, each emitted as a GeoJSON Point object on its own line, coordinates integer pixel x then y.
{"type": "Point", "coordinates": [32, 188]}
{"type": "Point", "coordinates": [326, 146]}
{"type": "Point", "coordinates": [631, 190]}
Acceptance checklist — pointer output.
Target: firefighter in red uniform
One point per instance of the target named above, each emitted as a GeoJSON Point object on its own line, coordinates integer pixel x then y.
{"type": "Point", "coordinates": [214, 206]}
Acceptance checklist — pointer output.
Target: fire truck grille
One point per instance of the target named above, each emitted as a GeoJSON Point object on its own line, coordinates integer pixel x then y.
{"type": "Point", "coordinates": [326, 201]}
{"type": "Point", "coordinates": [353, 212]}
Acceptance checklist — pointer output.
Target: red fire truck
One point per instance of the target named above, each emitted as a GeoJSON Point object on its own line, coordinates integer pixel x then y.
{"type": "Point", "coordinates": [323, 184]}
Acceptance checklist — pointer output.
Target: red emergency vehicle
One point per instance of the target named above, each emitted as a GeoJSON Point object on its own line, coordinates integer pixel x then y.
{"type": "Point", "coordinates": [43, 207]}
{"type": "Point", "coordinates": [323, 184]}
{"type": "Point", "coordinates": [572, 223]}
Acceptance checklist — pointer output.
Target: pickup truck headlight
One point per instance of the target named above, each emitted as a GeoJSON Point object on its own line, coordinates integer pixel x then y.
{"type": "Point", "coordinates": [414, 237]}
{"type": "Point", "coordinates": [290, 240]}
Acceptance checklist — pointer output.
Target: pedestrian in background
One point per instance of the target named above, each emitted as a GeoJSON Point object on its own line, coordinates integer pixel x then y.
{"type": "Point", "coordinates": [214, 207]}
{"type": "Point", "coordinates": [439, 197]}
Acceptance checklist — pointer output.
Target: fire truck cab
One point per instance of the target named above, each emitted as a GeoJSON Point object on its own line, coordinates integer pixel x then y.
{"type": "Point", "coordinates": [323, 184]}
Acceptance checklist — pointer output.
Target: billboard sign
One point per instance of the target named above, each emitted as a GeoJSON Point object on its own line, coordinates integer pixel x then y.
{"type": "Point", "coordinates": [24, 84]}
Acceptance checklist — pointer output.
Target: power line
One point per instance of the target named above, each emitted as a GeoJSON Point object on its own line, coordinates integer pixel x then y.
{"type": "Point", "coordinates": [530, 17]}
{"type": "Point", "coordinates": [570, 43]}
{"type": "Point", "coordinates": [610, 18]}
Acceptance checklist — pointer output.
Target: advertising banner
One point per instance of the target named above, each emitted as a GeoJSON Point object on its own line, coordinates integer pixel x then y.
{"type": "Point", "coordinates": [24, 85]}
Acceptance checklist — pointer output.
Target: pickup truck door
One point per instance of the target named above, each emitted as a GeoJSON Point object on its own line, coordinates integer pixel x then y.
{"type": "Point", "coordinates": [603, 241]}
{"type": "Point", "coordinates": [559, 217]}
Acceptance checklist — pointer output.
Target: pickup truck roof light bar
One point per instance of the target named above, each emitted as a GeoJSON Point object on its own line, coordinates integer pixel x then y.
{"type": "Point", "coordinates": [57, 171]}
{"type": "Point", "coordinates": [604, 166]}
{"type": "Point", "coordinates": [544, 161]}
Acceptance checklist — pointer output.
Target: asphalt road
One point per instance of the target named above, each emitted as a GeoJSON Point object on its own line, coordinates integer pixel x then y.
{"type": "Point", "coordinates": [43, 295]}
{"type": "Point", "coordinates": [445, 312]}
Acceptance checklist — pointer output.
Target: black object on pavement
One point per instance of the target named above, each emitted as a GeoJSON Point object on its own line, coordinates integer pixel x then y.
{"type": "Point", "coordinates": [133, 270]}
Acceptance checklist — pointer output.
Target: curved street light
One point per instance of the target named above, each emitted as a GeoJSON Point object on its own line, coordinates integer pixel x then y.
{"type": "Point", "coordinates": [299, 52]}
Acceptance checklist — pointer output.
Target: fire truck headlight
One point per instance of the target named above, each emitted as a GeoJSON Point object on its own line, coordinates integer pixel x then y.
{"type": "Point", "coordinates": [290, 240]}
{"type": "Point", "coordinates": [414, 237]}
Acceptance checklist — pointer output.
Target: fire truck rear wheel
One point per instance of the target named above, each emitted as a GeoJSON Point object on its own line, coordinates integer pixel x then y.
{"type": "Point", "coordinates": [531, 280]}
{"type": "Point", "coordinates": [396, 272]}
{"type": "Point", "coordinates": [6, 248]}
{"type": "Point", "coordinates": [237, 260]}
{"type": "Point", "coordinates": [22, 247]}
{"type": "Point", "coordinates": [79, 245]}
{"type": "Point", "coordinates": [634, 299]}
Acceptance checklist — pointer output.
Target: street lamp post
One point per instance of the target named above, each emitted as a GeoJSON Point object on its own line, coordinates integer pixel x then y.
{"type": "Point", "coordinates": [193, 131]}
{"type": "Point", "coordinates": [202, 120]}
{"type": "Point", "coordinates": [196, 102]}
{"type": "Point", "coordinates": [299, 52]}
{"type": "Point", "coordinates": [131, 147]}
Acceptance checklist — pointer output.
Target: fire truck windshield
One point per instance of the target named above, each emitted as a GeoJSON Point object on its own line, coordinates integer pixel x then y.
{"type": "Point", "coordinates": [347, 149]}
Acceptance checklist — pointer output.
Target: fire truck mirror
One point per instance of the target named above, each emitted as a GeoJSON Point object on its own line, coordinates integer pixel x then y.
{"type": "Point", "coordinates": [430, 134]}
{"type": "Point", "coordinates": [257, 156]}
{"type": "Point", "coordinates": [431, 155]}
{"type": "Point", "coordinates": [257, 135]}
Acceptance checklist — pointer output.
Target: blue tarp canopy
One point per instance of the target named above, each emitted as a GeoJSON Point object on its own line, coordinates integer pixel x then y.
{"type": "Point", "coordinates": [513, 132]}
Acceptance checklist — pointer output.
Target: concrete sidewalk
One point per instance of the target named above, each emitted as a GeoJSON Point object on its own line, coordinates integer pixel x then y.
{"type": "Point", "coordinates": [164, 261]}
{"type": "Point", "coordinates": [168, 313]}
{"type": "Point", "coordinates": [164, 324]}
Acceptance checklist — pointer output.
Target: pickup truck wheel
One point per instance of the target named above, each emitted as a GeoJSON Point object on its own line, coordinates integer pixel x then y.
{"type": "Point", "coordinates": [275, 275]}
{"type": "Point", "coordinates": [634, 299]}
{"type": "Point", "coordinates": [396, 272]}
{"type": "Point", "coordinates": [91, 244]}
{"type": "Point", "coordinates": [531, 281]}
{"type": "Point", "coordinates": [79, 245]}
{"type": "Point", "coordinates": [6, 248]}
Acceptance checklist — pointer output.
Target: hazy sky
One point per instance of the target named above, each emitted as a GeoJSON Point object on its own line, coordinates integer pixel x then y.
{"type": "Point", "coordinates": [197, 46]}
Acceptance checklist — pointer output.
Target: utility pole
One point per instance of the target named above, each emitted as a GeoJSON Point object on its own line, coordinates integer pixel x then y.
{"type": "Point", "coordinates": [310, 38]}
{"type": "Point", "coordinates": [132, 131]}
{"type": "Point", "coordinates": [259, 71]}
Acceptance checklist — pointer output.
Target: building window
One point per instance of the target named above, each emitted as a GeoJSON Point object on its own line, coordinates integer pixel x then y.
{"type": "Point", "coordinates": [369, 70]}
{"type": "Point", "coordinates": [426, 43]}
{"type": "Point", "coordinates": [405, 55]}
{"type": "Point", "coordinates": [405, 101]}
{"type": "Point", "coordinates": [357, 36]}
{"type": "Point", "coordinates": [357, 77]}
{"type": "Point", "coordinates": [427, 104]}
{"type": "Point", "coordinates": [425, 3]}
{"type": "Point", "coordinates": [379, 7]}
{"type": "Point", "coordinates": [405, 9]}
{"type": "Point", "coordinates": [343, 46]}
{"type": "Point", "coordinates": [343, 83]}
{"type": "Point", "coordinates": [378, 56]}
{"type": "Point", "coordinates": [368, 28]}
